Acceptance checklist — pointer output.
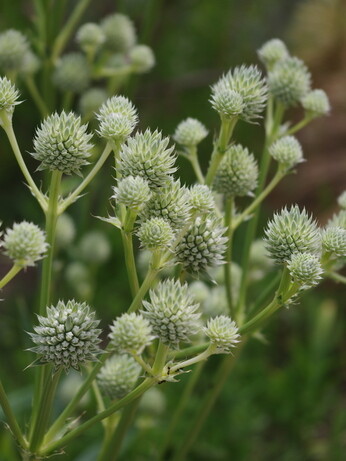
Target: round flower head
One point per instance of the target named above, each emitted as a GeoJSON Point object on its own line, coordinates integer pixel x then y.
{"type": "Point", "coordinates": [90, 36]}
{"type": "Point", "coordinates": [8, 98]}
{"type": "Point", "coordinates": [201, 199]}
{"type": "Point", "coordinates": [141, 58]}
{"type": "Point", "coordinates": [25, 244]}
{"type": "Point", "coordinates": [94, 247]}
{"type": "Point", "coordinates": [170, 203]}
{"type": "Point", "coordinates": [338, 220]}
{"type": "Point", "coordinates": [133, 192]}
{"type": "Point", "coordinates": [223, 333]}
{"type": "Point", "coordinates": [292, 231]}
{"type": "Point", "coordinates": [287, 151]}
{"type": "Point", "coordinates": [289, 81]}
{"type": "Point", "coordinates": [190, 132]}
{"type": "Point", "coordinates": [155, 233]}
{"type": "Point", "coordinates": [172, 313]}
{"type": "Point", "coordinates": [272, 51]}
{"type": "Point", "coordinates": [65, 230]}
{"type": "Point", "coordinates": [316, 104]}
{"type": "Point", "coordinates": [30, 63]}
{"type": "Point", "coordinates": [237, 173]}
{"type": "Point", "coordinates": [130, 333]}
{"type": "Point", "coordinates": [148, 155]}
{"type": "Point", "coordinates": [117, 117]}
{"type": "Point", "coordinates": [342, 200]}
{"type": "Point", "coordinates": [72, 73]}
{"type": "Point", "coordinates": [68, 336]}
{"type": "Point", "coordinates": [202, 246]}
{"type": "Point", "coordinates": [334, 241]}
{"type": "Point", "coordinates": [118, 376]}
{"type": "Point", "coordinates": [13, 47]}
{"type": "Point", "coordinates": [91, 101]}
{"type": "Point", "coordinates": [228, 103]}
{"type": "Point", "coordinates": [119, 31]}
{"type": "Point", "coordinates": [62, 143]}
{"type": "Point", "coordinates": [305, 269]}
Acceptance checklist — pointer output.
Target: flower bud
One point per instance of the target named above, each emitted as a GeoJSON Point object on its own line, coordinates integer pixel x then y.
{"type": "Point", "coordinates": [72, 73]}
{"type": "Point", "coordinates": [272, 51]}
{"type": "Point", "coordinates": [190, 132]}
{"type": "Point", "coordinates": [13, 47]}
{"type": "Point", "coordinates": [25, 244]}
{"type": "Point", "coordinates": [8, 98]}
{"type": "Point", "coordinates": [223, 333]}
{"type": "Point", "coordinates": [117, 117]}
{"type": "Point", "coordinates": [316, 104]}
{"type": "Point", "coordinates": [155, 233]}
{"type": "Point", "coordinates": [148, 155]}
{"type": "Point", "coordinates": [142, 59]}
{"type": "Point", "coordinates": [68, 336]}
{"type": "Point", "coordinates": [334, 241]}
{"type": "Point", "coordinates": [237, 173]}
{"type": "Point", "coordinates": [133, 192]}
{"type": "Point", "coordinates": [130, 333]}
{"type": "Point", "coordinates": [172, 313]}
{"type": "Point", "coordinates": [228, 103]}
{"type": "Point", "coordinates": [201, 199]}
{"type": "Point", "coordinates": [91, 101]}
{"type": "Point", "coordinates": [118, 376]}
{"type": "Point", "coordinates": [119, 31]}
{"type": "Point", "coordinates": [62, 143]}
{"type": "Point", "coordinates": [94, 247]}
{"type": "Point", "coordinates": [90, 36]}
{"type": "Point", "coordinates": [291, 231]}
{"type": "Point", "coordinates": [305, 269]}
{"type": "Point", "coordinates": [287, 151]}
{"type": "Point", "coordinates": [342, 200]}
{"type": "Point", "coordinates": [202, 246]}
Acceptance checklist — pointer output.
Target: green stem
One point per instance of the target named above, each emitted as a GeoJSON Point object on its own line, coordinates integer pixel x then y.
{"type": "Point", "coordinates": [298, 126]}
{"type": "Point", "coordinates": [10, 275]}
{"type": "Point", "coordinates": [198, 358]}
{"type": "Point", "coordinates": [188, 351]}
{"type": "Point", "coordinates": [268, 289]}
{"type": "Point", "coordinates": [130, 262]}
{"type": "Point", "coordinates": [146, 367]}
{"type": "Point", "coordinates": [193, 157]}
{"type": "Point", "coordinates": [160, 359]}
{"type": "Point", "coordinates": [337, 277]}
{"type": "Point", "coordinates": [11, 419]}
{"type": "Point", "coordinates": [228, 265]}
{"type": "Point", "coordinates": [35, 94]}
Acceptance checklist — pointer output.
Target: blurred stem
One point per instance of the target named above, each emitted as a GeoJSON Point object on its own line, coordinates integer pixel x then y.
{"type": "Point", "coordinates": [337, 277]}
{"type": "Point", "coordinates": [67, 101]}
{"type": "Point", "coordinates": [305, 121]}
{"type": "Point", "coordinates": [229, 210]}
{"type": "Point", "coordinates": [10, 275]}
{"type": "Point", "coordinates": [265, 292]}
{"type": "Point", "coordinates": [11, 418]}
{"type": "Point", "coordinates": [193, 158]}
{"type": "Point", "coordinates": [36, 96]}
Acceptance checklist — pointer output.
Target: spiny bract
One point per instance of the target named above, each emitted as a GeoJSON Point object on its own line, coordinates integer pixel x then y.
{"type": "Point", "coordinates": [305, 269]}
{"type": "Point", "coordinates": [117, 118]}
{"type": "Point", "coordinates": [190, 132]}
{"type": "Point", "coordinates": [130, 333]}
{"type": "Point", "coordinates": [223, 333]}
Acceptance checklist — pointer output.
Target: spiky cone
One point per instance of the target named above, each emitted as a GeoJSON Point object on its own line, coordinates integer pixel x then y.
{"type": "Point", "coordinates": [305, 269]}
{"type": "Point", "coordinates": [190, 132]}
{"type": "Point", "coordinates": [130, 333]}
{"type": "Point", "coordinates": [222, 333]}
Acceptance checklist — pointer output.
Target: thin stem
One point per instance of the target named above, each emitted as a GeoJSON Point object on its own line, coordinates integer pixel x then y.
{"type": "Point", "coordinates": [192, 156]}
{"type": "Point", "coordinates": [146, 367]}
{"type": "Point", "coordinates": [228, 266]}
{"type": "Point", "coordinates": [36, 96]}
{"type": "Point", "coordinates": [188, 351]}
{"type": "Point", "coordinates": [11, 418]}
{"type": "Point", "coordinates": [10, 275]}
{"type": "Point", "coordinates": [198, 358]}
{"type": "Point", "coordinates": [160, 358]}
{"type": "Point", "coordinates": [269, 288]}
{"type": "Point", "coordinates": [337, 277]}
{"type": "Point", "coordinates": [130, 262]}
{"type": "Point", "coordinates": [298, 126]}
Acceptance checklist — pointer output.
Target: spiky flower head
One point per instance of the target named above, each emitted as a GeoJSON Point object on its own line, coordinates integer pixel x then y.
{"type": "Point", "coordinates": [292, 231]}
{"type": "Point", "coordinates": [133, 192]}
{"type": "Point", "coordinates": [90, 36]}
{"type": "Point", "coordinates": [305, 269]}
{"type": "Point", "coordinates": [289, 81]}
{"type": "Point", "coordinates": [342, 200]}
{"type": "Point", "coordinates": [68, 336]}
{"type": "Point", "coordinates": [227, 102]}
{"type": "Point", "coordinates": [170, 203]}
{"type": "Point", "coordinates": [316, 104]}
{"type": "Point", "coordinates": [118, 376]}
{"type": "Point", "coordinates": [119, 31]}
{"type": "Point", "coordinates": [8, 98]}
{"type": "Point", "coordinates": [190, 132]}
{"type": "Point", "coordinates": [142, 59]}
{"type": "Point", "coordinates": [62, 143]}
{"type": "Point", "coordinates": [338, 220]}
{"type": "Point", "coordinates": [155, 233]}
{"type": "Point", "coordinates": [172, 313]}
{"type": "Point", "coordinates": [130, 333]}
{"type": "Point", "coordinates": [25, 243]}
{"type": "Point", "coordinates": [13, 47]}
{"type": "Point", "coordinates": [201, 199]}
{"type": "Point", "coordinates": [202, 246]}
{"type": "Point", "coordinates": [237, 173]}
{"type": "Point", "coordinates": [287, 151]}
{"type": "Point", "coordinates": [148, 155]}
{"type": "Point", "coordinates": [30, 63]}
{"type": "Point", "coordinates": [72, 73]}
{"type": "Point", "coordinates": [223, 333]}
{"type": "Point", "coordinates": [272, 51]}
{"type": "Point", "coordinates": [117, 117]}
{"type": "Point", "coordinates": [334, 241]}
{"type": "Point", "coordinates": [91, 100]}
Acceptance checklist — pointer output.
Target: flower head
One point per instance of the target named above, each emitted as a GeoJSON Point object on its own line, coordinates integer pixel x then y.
{"type": "Point", "coordinates": [13, 47]}
{"type": "Point", "coordinates": [316, 104]}
{"type": "Point", "coordinates": [190, 132]}
{"type": "Point", "coordinates": [227, 102]}
{"type": "Point", "coordinates": [91, 100]}
{"type": "Point", "coordinates": [272, 51]}
{"type": "Point", "coordinates": [90, 36]}
{"type": "Point", "coordinates": [119, 31]}
{"type": "Point", "coordinates": [287, 151]}
{"type": "Point", "coordinates": [222, 332]}
{"type": "Point", "coordinates": [155, 233]}
{"type": "Point", "coordinates": [130, 333]}
{"type": "Point", "coordinates": [201, 199]}
{"type": "Point", "coordinates": [117, 117]}
{"type": "Point", "coordinates": [334, 241]}
{"type": "Point", "coordinates": [8, 97]}
{"type": "Point", "coordinates": [342, 200]}
{"type": "Point", "coordinates": [118, 376]}
{"type": "Point", "coordinates": [133, 192]}
{"type": "Point", "coordinates": [72, 73]}
{"type": "Point", "coordinates": [338, 220]}
{"type": "Point", "coordinates": [305, 269]}
{"type": "Point", "coordinates": [142, 59]}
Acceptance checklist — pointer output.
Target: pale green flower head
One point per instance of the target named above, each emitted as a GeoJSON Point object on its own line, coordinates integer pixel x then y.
{"type": "Point", "coordinates": [201, 199]}
{"type": "Point", "coordinates": [142, 59]}
{"type": "Point", "coordinates": [237, 173]}
{"type": "Point", "coordinates": [222, 333]}
{"type": "Point", "coordinates": [68, 336]}
{"type": "Point", "coordinates": [342, 200]}
{"type": "Point", "coordinates": [202, 246]}
{"type": "Point", "coordinates": [172, 313]}
{"type": "Point", "coordinates": [117, 118]}
{"type": "Point", "coordinates": [316, 104]}
{"type": "Point", "coordinates": [94, 247]}
{"type": "Point", "coordinates": [72, 73]}
{"type": "Point", "coordinates": [62, 143]}
{"type": "Point", "coordinates": [91, 101]}
{"type": "Point", "coordinates": [334, 241]}
{"type": "Point", "coordinates": [119, 31]}
{"type": "Point", "coordinates": [305, 269]}
{"type": "Point", "coordinates": [13, 47]}
{"type": "Point", "coordinates": [133, 192]}
{"type": "Point", "coordinates": [292, 231]}
{"type": "Point", "coordinates": [118, 376]}
{"type": "Point", "coordinates": [8, 98]}
{"type": "Point", "coordinates": [130, 333]}
{"type": "Point", "coordinates": [287, 151]}
{"type": "Point", "coordinates": [289, 81]}
{"type": "Point", "coordinates": [25, 243]}
{"type": "Point", "coordinates": [155, 234]}
{"type": "Point", "coordinates": [227, 102]}
{"type": "Point", "coordinates": [149, 156]}
{"type": "Point", "coordinates": [30, 63]}
{"type": "Point", "coordinates": [90, 36]}
{"type": "Point", "coordinates": [190, 132]}
{"type": "Point", "coordinates": [272, 51]}
{"type": "Point", "coordinates": [338, 220]}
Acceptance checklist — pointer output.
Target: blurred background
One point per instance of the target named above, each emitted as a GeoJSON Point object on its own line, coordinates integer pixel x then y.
{"type": "Point", "coordinates": [285, 399]}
